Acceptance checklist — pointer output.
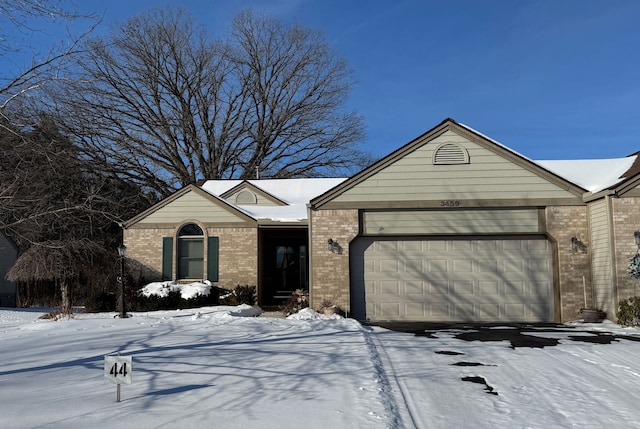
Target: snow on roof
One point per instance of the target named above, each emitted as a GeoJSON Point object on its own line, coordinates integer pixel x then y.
{"type": "Point", "coordinates": [594, 175]}
{"type": "Point", "coordinates": [496, 142]}
{"type": "Point", "coordinates": [295, 192]}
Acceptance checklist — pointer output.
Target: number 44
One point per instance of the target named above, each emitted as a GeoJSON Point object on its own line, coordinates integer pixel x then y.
{"type": "Point", "coordinates": [121, 370]}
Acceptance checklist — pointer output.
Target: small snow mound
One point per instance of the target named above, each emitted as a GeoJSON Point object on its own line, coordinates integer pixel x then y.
{"type": "Point", "coordinates": [187, 291]}
{"type": "Point", "coordinates": [309, 314]}
{"type": "Point", "coordinates": [245, 310]}
{"type": "Point", "coordinates": [242, 310]}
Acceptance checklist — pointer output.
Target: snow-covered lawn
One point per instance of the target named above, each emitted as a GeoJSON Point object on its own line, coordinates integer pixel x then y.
{"type": "Point", "coordinates": [217, 367]}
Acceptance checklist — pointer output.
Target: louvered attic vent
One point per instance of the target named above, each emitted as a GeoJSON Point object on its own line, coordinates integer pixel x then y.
{"type": "Point", "coordinates": [450, 153]}
{"type": "Point", "coordinates": [246, 197]}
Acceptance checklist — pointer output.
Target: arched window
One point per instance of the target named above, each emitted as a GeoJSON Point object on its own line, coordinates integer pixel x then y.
{"type": "Point", "coordinates": [190, 252]}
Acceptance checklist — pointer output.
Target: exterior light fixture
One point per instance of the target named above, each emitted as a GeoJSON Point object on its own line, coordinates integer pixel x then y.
{"type": "Point", "coordinates": [577, 245]}
{"type": "Point", "coordinates": [636, 235]}
{"type": "Point", "coordinates": [122, 252]}
{"type": "Point", "coordinates": [334, 247]}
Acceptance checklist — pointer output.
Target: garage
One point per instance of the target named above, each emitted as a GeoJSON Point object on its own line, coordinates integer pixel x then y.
{"type": "Point", "coordinates": [492, 279]}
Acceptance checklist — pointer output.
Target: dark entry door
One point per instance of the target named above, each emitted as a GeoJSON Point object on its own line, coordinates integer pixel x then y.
{"type": "Point", "coordinates": [285, 265]}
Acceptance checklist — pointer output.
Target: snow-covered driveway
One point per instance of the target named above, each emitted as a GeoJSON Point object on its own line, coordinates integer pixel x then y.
{"type": "Point", "coordinates": [212, 367]}
{"type": "Point", "coordinates": [441, 381]}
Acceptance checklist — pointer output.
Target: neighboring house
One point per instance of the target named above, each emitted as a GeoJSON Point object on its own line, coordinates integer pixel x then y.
{"type": "Point", "coordinates": [453, 226]}
{"type": "Point", "coordinates": [8, 256]}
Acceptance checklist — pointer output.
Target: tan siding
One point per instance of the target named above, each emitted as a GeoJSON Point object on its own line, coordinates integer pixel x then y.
{"type": "Point", "coordinates": [601, 258]}
{"type": "Point", "coordinates": [488, 175]}
{"type": "Point", "coordinates": [193, 206]}
{"type": "Point", "coordinates": [451, 222]}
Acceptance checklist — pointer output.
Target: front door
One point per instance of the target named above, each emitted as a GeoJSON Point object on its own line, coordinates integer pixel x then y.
{"type": "Point", "coordinates": [284, 265]}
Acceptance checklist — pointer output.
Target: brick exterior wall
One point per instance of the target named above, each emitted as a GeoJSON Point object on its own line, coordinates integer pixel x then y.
{"type": "Point", "coordinates": [238, 256]}
{"type": "Point", "coordinates": [563, 223]}
{"type": "Point", "coordinates": [330, 271]}
{"type": "Point", "coordinates": [145, 247]}
{"type": "Point", "coordinates": [238, 253]}
{"type": "Point", "coordinates": [626, 220]}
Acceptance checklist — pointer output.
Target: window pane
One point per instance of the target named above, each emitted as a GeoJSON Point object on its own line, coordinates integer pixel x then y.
{"type": "Point", "coordinates": [190, 258]}
{"type": "Point", "coordinates": [190, 229]}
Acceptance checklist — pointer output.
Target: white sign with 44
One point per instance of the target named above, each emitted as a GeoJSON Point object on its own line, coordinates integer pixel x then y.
{"type": "Point", "coordinates": [118, 369]}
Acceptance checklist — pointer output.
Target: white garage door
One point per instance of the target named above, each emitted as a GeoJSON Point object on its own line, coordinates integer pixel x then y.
{"type": "Point", "coordinates": [507, 280]}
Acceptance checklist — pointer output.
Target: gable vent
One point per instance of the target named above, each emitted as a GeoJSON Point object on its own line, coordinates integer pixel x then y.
{"type": "Point", "coordinates": [450, 153]}
{"type": "Point", "coordinates": [246, 197]}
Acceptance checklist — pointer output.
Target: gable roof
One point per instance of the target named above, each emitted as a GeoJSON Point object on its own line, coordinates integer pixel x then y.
{"type": "Point", "coordinates": [294, 194]}
{"type": "Point", "coordinates": [180, 193]}
{"type": "Point", "coordinates": [246, 185]}
{"type": "Point", "coordinates": [462, 130]}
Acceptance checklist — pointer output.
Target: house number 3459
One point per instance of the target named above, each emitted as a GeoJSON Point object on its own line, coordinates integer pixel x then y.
{"type": "Point", "coordinates": [449, 203]}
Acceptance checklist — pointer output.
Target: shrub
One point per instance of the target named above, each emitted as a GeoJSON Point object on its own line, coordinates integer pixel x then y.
{"type": "Point", "coordinates": [202, 300]}
{"type": "Point", "coordinates": [240, 295]}
{"type": "Point", "coordinates": [100, 301]}
{"type": "Point", "coordinates": [156, 302]}
{"type": "Point", "coordinates": [328, 307]}
{"type": "Point", "coordinates": [299, 299]}
{"type": "Point", "coordinates": [629, 311]}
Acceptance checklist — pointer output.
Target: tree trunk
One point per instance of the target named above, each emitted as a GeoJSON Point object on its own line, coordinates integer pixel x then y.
{"type": "Point", "coordinates": [65, 306]}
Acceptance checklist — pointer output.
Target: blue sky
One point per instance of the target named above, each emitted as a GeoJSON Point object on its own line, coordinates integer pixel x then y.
{"type": "Point", "coordinates": [551, 79]}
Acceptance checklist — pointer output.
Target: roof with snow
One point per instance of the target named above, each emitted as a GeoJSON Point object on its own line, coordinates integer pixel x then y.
{"type": "Point", "coordinates": [293, 193]}
{"type": "Point", "coordinates": [593, 175]}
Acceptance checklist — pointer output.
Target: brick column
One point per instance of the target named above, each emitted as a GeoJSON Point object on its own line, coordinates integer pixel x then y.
{"type": "Point", "coordinates": [563, 223]}
{"type": "Point", "coordinates": [330, 271]}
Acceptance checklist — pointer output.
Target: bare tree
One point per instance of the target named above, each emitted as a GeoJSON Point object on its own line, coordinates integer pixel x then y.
{"type": "Point", "coordinates": [166, 106]}
{"type": "Point", "coordinates": [34, 67]}
{"type": "Point", "coordinates": [295, 88]}
{"type": "Point", "coordinates": [63, 262]}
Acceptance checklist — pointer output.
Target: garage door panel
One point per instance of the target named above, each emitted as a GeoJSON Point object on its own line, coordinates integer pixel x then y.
{"type": "Point", "coordinates": [462, 266]}
{"type": "Point", "coordinates": [389, 288]}
{"type": "Point", "coordinates": [489, 311]}
{"type": "Point", "coordinates": [515, 311]}
{"type": "Point", "coordinates": [415, 310]}
{"type": "Point", "coordinates": [437, 266]}
{"type": "Point", "coordinates": [389, 309]}
{"type": "Point", "coordinates": [414, 288]}
{"type": "Point", "coordinates": [439, 311]}
{"type": "Point", "coordinates": [518, 288]}
{"type": "Point", "coordinates": [451, 280]}
{"type": "Point", "coordinates": [488, 288]}
{"type": "Point", "coordinates": [463, 288]}
{"type": "Point", "coordinates": [487, 266]}
{"type": "Point", "coordinates": [464, 312]}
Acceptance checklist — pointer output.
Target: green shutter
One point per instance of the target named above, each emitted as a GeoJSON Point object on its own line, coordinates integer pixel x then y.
{"type": "Point", "coordinates": [167, 258]}
{"type": "Point", "coordinates": [213, 258]}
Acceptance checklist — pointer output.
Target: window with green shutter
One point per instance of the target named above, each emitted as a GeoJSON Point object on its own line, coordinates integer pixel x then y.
{"type": "Point", "coordinates": [167, 258]}
{"type": "Point", "coordinates": [213, 258]}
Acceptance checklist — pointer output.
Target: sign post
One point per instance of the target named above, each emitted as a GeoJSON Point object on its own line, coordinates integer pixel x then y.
{"type": "Point", "coordinates": [118, 369]}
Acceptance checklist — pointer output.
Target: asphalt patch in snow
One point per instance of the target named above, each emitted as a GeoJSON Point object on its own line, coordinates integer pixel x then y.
{"type": "Point", "coordinates": [520, 335]}
{"type": "Point", "coordinates": [481, 380]}
{"type": "Point", "coordinates": [470, 364]}
{"type": "Point", "coordinates": [448, 352]}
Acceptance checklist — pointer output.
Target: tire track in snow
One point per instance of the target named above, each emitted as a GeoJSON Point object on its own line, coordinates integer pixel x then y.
{"type": "Point", "coordinates": [387, 385]}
